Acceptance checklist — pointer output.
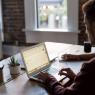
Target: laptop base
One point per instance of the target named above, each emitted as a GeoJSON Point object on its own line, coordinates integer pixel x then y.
{"type": "Point", "coordinates": [36, 80]}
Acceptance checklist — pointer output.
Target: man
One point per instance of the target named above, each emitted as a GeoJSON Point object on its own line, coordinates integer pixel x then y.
{"type": "Point", "coordinates": [84, 81]}
{"type": "Point", "coordinates": [89, 20]}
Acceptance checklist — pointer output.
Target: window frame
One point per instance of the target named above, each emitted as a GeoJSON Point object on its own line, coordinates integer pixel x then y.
{"type": "Point", "coordinates": [31, 15]}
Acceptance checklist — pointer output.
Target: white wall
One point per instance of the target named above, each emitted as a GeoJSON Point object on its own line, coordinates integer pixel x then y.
{"type": "Point", "coordinates": [72, 12]}
{"type": "Point", "coordinates": [65, 37]}
{"type": "Point", "coordinates": [30, 15]}
{"type": "Point", "coordinates": [1, 32]}
{"type": "Point", "coordinates": [1, 23]}
{"type": "Point", "coordinates": [0, 48]}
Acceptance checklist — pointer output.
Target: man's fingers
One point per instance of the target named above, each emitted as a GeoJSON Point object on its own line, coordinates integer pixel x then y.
{"type": "Point", "coordinates": [65, 69]}
{"type": "Point", "coordinates": [62, 71]}
{"type": "Point", "coordinates": [65, 74]}
{"type": "Point", "coordinates": [67, 57]}
{"type": "Point", "coordinates": [64, 57]}
{"type": "Point", "coordinates": [41, 74]}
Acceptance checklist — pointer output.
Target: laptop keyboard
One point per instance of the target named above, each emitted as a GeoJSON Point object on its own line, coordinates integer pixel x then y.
{"type": "Point", "coordinates": [54, 72]}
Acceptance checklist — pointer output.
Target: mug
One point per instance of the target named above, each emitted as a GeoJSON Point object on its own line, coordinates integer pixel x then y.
{"type": "Point", "coordinates": [87, 46]}
{"type": "Point", "coordinates": [1, 74]}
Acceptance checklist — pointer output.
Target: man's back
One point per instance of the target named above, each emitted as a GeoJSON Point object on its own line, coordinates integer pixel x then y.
{"type": "Point", "coordinates": [85, 80]}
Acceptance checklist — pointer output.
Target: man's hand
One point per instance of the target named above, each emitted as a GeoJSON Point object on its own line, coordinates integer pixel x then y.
{"type": "Point", "coordinates": [70, 57]}
{"type": "Point", "coordinates": [45, 77]}
{"type": "Point", "coordinates": [67, 72]}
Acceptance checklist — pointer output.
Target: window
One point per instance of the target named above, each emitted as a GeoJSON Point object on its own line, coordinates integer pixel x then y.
{"type": "Point", "coordinates": [52, 14]}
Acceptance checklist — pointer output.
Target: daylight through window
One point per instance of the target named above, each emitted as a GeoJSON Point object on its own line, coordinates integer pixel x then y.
{"type": "Point", "coordinates": [52, 14]}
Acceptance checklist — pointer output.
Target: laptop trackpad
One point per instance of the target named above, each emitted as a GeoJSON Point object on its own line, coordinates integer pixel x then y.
{"type": "Point", "coordinates": [54, 72]}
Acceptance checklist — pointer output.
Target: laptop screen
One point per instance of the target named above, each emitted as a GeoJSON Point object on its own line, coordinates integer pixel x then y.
{"type": "Point", "coordinates": [35, 57]}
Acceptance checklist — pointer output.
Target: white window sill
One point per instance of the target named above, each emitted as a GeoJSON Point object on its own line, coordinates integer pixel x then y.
{"type": "Point", "coordinates": [41, 35]}
{"type": "Point", "coordinates": [49, 30]}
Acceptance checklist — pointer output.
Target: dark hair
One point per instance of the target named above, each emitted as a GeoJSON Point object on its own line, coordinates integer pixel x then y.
{"type": "Point", "coordinates": [89, 10]}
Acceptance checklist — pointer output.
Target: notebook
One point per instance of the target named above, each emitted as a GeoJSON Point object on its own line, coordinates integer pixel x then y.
{"type": "Point", "coordinates": [36, 59]}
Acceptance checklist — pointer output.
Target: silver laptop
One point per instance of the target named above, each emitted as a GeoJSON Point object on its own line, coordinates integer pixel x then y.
{"type": "Point", "coordinates": [36, 60]}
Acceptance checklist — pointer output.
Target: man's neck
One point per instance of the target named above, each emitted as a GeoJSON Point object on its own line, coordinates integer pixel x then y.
{"type": "Point", "coordinates": [91, 36]}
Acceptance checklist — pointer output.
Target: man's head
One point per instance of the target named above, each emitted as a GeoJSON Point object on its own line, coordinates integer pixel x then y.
{"type": "Point", "coordinates": [89, 10]}
{"type": "Point", "coordinates": [89, 18]}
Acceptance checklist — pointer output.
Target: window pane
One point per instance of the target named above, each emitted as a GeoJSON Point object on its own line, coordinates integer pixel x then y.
{"type": "Point", "coordinates": [52, 14]}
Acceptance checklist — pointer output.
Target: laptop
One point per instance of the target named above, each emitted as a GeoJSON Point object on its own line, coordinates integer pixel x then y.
{"type": "Point", "coordinates": [36, 59]}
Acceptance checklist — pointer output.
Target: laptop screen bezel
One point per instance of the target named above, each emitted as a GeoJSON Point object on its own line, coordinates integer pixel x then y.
{"type": "Point", "coordinates": [38, 70]}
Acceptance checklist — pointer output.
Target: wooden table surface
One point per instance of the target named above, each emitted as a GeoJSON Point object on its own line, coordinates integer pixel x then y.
{"type": "Point", "coordinates": [21, 84]}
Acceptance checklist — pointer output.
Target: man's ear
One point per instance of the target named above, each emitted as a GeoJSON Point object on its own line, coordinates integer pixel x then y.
{"type": "Point", "coordinates": [93, 25]}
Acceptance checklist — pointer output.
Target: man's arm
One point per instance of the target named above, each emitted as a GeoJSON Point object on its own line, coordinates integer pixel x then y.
{"type": "Point", "coordinates": [81, 57]}
{"type": "Point", "coordinates": [81, 85]}
{"type": "Point", "coordinates": [86, 56]}
{"type": "Point", "coordinates": [55, 88]}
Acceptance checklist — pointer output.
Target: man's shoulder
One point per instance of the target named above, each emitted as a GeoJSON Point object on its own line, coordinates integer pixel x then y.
{"type": "Point", "coordinates": [89, 65]}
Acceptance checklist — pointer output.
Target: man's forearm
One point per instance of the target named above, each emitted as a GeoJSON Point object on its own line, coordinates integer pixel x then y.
{"type": "Point", "coordinates": [86, 56]}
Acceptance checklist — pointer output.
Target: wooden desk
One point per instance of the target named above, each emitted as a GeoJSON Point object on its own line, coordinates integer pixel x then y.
{"type": "Point", "coordinates": [22, 86]}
